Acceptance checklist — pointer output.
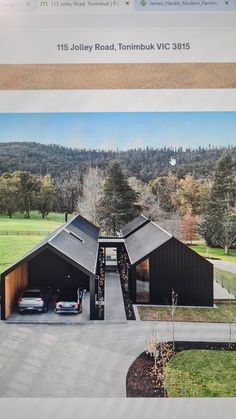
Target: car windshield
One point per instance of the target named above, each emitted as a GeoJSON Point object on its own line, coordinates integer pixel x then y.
{"type": "Point", "coordinates": [32, 294]}
{"type": "Point", "coordinates": [67, 296]}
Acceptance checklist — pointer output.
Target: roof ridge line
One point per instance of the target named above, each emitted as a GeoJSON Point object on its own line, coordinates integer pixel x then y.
{"type": "Point", "coordinates": [64, 225]}
{"type": "Point", "coordinates": [162, 229]}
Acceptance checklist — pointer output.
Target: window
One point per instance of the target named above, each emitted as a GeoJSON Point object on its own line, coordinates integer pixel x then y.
{"type": "Point", "coordinates": [143, 282]}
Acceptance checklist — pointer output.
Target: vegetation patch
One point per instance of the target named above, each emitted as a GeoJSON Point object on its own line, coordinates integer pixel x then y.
{"type": "Point", "coordinates": [214, 253]}
{"type": "Point", "coordinates": [222, 313]}
{"type": "Point", "coordinates": [123, 266]}
{"type": "Point", "coordinates": [197, 369]}
{"type": "Point", "coordinates": [12, 248]}
{"type": "Point", "coordinates": [202, 373]}
{"type": "Point", "coordinates": [15, 246]}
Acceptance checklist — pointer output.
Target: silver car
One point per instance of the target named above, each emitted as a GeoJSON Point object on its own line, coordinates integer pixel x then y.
{"type": "Point", "coordinates": [69, 301]}
{"type": "Point", "coordinates": [34, 299]}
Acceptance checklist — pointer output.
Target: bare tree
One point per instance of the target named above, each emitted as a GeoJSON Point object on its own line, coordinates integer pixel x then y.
{"type": "Point", "coordinates": [227, 230]}
{"type": "Point", "coordinates": [148, 202]}
{"type": "Point", "coordinates": [92, 192]}
{"type": "Point", "coordinates": [161, 352]}
{"type": "Point", "coordinates": [68, 189]}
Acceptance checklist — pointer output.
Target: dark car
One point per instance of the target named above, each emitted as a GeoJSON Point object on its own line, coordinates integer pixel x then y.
{"type": "Point", "coordinates": [35, 299]}
{"type": "Point", "coordinates": [69, 301]}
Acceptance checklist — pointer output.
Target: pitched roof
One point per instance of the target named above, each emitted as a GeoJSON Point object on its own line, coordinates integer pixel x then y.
{"type": "Point", "coordinates": [134, 225]}
{"type": "Point", "coordinates": [77, 240]}
{"type": "Point", "coordinates": [142, 242]}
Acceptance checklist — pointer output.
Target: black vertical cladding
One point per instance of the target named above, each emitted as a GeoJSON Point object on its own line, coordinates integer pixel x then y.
{"type": "Point", "coordinates": [175, 265]}
{"type": "Point", "coordinates": [47, 268]}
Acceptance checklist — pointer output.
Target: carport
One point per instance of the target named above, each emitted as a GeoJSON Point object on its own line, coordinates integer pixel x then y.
{"type": "Point", "coordinates": [65, 259]}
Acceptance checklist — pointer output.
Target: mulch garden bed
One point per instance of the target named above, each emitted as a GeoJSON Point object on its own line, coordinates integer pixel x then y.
{"type": "Point", "coordinates": [140, 381]}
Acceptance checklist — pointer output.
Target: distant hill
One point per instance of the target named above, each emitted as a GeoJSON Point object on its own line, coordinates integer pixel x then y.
{"type": "Point", "coordinates": [145, 163]}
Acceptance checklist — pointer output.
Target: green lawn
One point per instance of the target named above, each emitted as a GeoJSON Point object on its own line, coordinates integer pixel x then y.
{"type": "Point", "coordinates": [221, 313]}
{"type": "Point", "coordinates": [214, 253]}
{"type": "Point", "coordinates": [34, 223]}
{"type": "Point", "coordinates": [202, 373]}
{"type": "Point", "coordinates": [13, 247]}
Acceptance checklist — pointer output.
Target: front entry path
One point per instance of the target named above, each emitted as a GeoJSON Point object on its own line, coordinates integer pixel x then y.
{"type": "Point", "coordinates": [114, 305]}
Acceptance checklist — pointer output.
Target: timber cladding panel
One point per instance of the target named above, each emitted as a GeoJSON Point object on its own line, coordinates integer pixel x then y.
{"type": "Point", "coordinates": [15, 282]}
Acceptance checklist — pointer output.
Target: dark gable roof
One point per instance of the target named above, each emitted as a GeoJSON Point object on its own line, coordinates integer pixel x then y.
{"type": "Point", "coordinates": [134, 225]}
{"type": "Point", "coordinates": [77, 240]}
{"type": "Point", "coordinates": [144, 241]}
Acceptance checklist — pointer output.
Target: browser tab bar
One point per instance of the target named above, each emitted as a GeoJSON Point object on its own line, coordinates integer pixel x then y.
{"type": "Point", "coordinates": [184, 5]}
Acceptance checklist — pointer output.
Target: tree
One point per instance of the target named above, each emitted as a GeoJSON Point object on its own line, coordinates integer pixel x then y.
{"type": "Point", "coordinates": [92, 193]}
{"type": "Point", "coordinates": [28, 185]}
{"type": "Point", "coordinates": [46, 197]}
{"type": "Point", "coordinates": [217, 226]}
{"type": "Point", "coordinates": [164, 187]}
{"type": "Point", "coordinates": [69, 187]}
{"type": "Point", "coordinates": [118, 206]}
{"type": "Point", "coordinates": [146, 199]}
{"type": "Point", "coordinates": [192, 195]}
{"type": "Point", "coordinates": [189, 227]}
{"type": "Point", "coordinates": [9, 189]}
{"type": "Point", "coordinates": [226, 236]}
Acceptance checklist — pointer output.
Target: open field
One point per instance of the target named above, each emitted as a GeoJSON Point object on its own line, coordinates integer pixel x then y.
{"type": "Point", "coordinates": [13, 247]}
{"type": "Point", "coordinates": [202, 373]}
{"type": "Point", "coordinates": [34, 223]}
{"type": "Point", "coordinates": [221, 313]}
{"type": "Point", "coordinates": [214, 253]}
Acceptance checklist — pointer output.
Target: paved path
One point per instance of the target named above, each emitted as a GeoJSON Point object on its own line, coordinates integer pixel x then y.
{"type": "Point", "coordinates": [221, 293]}
{"type": "Point", "coordinates": [114, 305]}
{"type": "Point", "coordinates": [87, 360]}
{"type": "Point", "coordinates": [226, 266]}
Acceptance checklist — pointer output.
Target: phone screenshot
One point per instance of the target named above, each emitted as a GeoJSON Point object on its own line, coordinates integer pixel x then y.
{"type": "Point", "coordinates": [118, 209]}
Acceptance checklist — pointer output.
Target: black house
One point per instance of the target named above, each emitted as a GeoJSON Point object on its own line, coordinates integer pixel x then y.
{"type": "Point", "coordinates": [156, 263]}
{"type": "Point", "coordinates": [65, 259]}
{"type": "Point", "coordinates": [159, 263]}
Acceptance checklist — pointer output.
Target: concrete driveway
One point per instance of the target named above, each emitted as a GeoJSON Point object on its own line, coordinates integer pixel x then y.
{"type": "Point", "coordinates": [86, 360]}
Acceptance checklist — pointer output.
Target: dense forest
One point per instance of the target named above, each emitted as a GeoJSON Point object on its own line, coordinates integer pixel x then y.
{"type": "Point", "coordinates": [146, 164]}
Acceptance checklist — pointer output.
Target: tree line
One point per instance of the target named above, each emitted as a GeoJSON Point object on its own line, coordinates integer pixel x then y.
{"type": "Point", "coordinates": [144, 163]}
{"type": "Point", "coordinates": [111, 198]}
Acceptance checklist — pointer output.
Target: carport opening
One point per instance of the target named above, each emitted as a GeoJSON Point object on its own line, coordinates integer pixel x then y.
{"type": "Point", "coordinates": [46, 269]}
{"type": "Point", "coordinates": [49, 269]}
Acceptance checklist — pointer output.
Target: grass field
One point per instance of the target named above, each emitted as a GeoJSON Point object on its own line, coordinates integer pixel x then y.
{"type": "Point", "coordinates": [214, 253]}
{"type": "Point", "coordinates": [13, 247]}
{"type": "Point", "coordinates": [34, 223]}
{"type": "Point", "coordinates": [221, 313]}
{"type": "Point", "coordinates": [202, 373]}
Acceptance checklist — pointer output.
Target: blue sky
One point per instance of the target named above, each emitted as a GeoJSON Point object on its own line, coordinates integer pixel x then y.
{"type": "Point", "coordinates": [121, 130]}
